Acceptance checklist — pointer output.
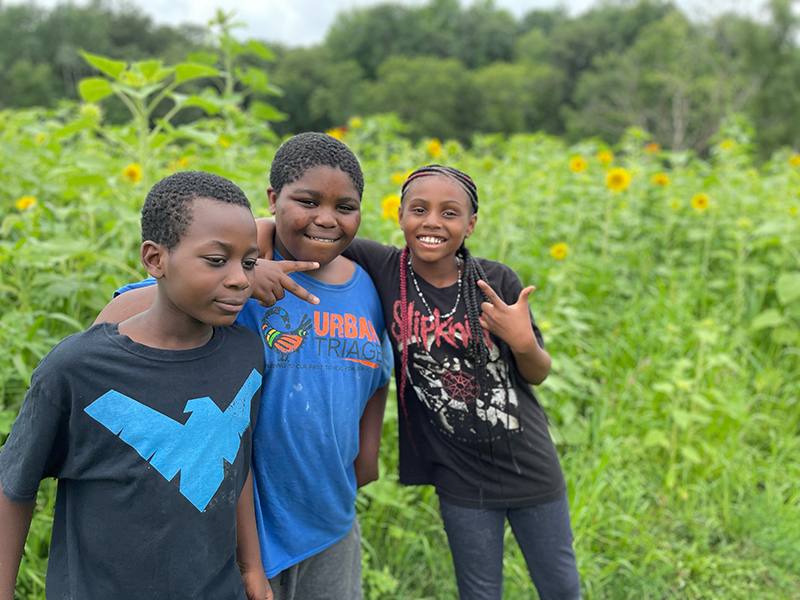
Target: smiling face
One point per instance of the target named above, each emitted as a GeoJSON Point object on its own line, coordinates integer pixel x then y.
{"type": "Point", "coordinates": [316, 216]}
{"type": "Point", "coordinates": [436, 217]}
{"type": "Point", "coordinates": [208, 275]}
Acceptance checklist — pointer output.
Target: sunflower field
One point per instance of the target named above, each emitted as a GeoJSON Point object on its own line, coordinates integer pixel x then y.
{"type": "Point", "coordinates": [668, 292]}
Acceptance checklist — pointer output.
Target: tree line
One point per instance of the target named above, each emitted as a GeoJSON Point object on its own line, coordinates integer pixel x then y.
{"type": "Point", "coordinates": [451, 71]}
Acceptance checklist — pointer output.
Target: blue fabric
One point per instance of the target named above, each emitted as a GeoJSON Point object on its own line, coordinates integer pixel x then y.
{"type": "Point", "coordinates": [543, 533]}
{"type": "Point", "coordinates": [135, 286]}
{"type": "Point", "coordinates": [322, 365]}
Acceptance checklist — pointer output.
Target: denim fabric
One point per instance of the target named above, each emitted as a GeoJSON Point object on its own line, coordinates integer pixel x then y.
{"type": "Point", "coordinates": [543, 533]}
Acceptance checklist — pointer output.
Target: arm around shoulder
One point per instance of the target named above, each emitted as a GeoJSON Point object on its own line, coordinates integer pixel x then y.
{"type": "Point", "coordinates": [128, 305]}
{"type": "Point", "coordinates": [15, 520]}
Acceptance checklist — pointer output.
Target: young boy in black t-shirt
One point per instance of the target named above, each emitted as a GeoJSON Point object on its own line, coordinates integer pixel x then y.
{"type": "Point", "coordinates": [147, 424]}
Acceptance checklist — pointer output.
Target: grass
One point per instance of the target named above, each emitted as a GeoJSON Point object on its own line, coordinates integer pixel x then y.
{"type": "Point", "coordinates": [674, 334]}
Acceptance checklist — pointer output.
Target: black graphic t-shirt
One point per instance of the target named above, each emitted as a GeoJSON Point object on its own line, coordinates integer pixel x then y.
{"type": "Point", "coordinates": [480, 438]}
{"type": "Point", "coordinates": [151, 449]}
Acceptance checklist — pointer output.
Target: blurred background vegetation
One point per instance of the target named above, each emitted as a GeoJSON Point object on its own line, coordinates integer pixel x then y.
{"type": "Point", "coordinates": [452, 71]}
{"type": "Point", "coordinates": [640, 169]}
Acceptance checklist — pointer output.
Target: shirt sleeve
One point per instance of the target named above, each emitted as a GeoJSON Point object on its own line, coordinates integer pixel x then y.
{"type": "Point", "coordinates": [372, 256]}
{"type": "Point", "coordinates": [134, 286]}
{"type": "Point", "coordinates": [36, 446]}
{"type": "Point", "coordinates": [388, 359]}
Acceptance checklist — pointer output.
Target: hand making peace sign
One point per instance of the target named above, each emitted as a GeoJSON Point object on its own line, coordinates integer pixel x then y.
{"type": "Point", "coordinates": [511, 323]}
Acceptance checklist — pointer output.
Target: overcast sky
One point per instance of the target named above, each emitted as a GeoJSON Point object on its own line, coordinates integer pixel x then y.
{"type": "Point", "coordinates": [305, 22]}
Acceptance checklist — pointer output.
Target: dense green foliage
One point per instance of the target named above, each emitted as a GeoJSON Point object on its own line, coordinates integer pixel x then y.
{"type": "Point", "coordinates": [455, 71]}
{"type": "Point", "coordinates": [672, 312]}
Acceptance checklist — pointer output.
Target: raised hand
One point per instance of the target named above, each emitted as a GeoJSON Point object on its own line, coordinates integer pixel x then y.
{"type": "Point", "coordinates": [272, 281]}
{"type": "Point", "coordinates": [511, 323]}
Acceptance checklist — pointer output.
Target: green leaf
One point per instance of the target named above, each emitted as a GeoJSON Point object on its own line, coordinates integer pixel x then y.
{"type": "Point", "coordinates": [205, 58]}
{"type": "Point", "coordinates": [207, 102]}
{"type": "Point", "coordinates": [187, 71]}
{"type": "Point", "coordinates": [112, 68]}
{"type": "Point", "coordinates": [266, 112]}
{"type": "Point", "coordinates": [151, 69]}
{"type": "Point", "coordinates": [788, 288]}
{"type": "Point", "coordinates": [93, 89]}
{"type": "Point", "coordinates": [253, 78]}
{"type": "Point", "coordinates": [203, 137]}
{"type": "Point", "coordinates": [74, 127]}
{"type": "Point", "coordinates": [86, 180]}
{"type": "Point", "coordinates": [771, 317]}
{"type": "Point", "coordinates": [690, 454]}
{"type": "Point", "coordinates": [260, 50]}
{"type": "Point", "coordinates": [656, 437]}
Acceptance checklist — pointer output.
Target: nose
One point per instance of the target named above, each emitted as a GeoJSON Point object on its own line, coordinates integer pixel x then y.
{"type": "Point", "coordinates": [431, 220]}
{"type": "Point", "coordinates": [237, 276]}
{"type": "Point", "coordinates": [325, 217]}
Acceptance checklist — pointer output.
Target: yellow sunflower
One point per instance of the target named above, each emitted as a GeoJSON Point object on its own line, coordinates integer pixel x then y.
{"type": "Point", "coordinates": [390, 204]}
{"type": "Point", "coordinates": [435, 148]}
{"type": "Point", "coordinates": [355, 122]}
{"type": "Point", "coordinates": [559, 251]}
{"type": "Point", "coordinates": [224, 142]}
{"type": "Point", "coordinates": [700, 201]}
{"type": "Point", "coordinates": [26, 202]}
{"type": "Point", "coordinates": [133, 172]}
{"type": "Point", "coordinates": [652, 147]}
{"type": "Point", "coordinates": [605, 157]}
{"type": "Point", "coordinates": [727, 144]}
{"type": "Point", "coordinates": [398, 178]}
{"type": "Point", "coordinates": [618, 179]}
{"type": "Point", "coordinates": [660, 179]}
{"type": "Point", "coordinates": [795, 160]}
{"type": "Point", "coordinates": [577, 164]}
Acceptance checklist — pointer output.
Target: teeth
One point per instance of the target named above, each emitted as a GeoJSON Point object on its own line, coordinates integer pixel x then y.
{"type": "Point", "coordinates": [324, 240]}
{"type": "Point", "coordinates": [431, 240]}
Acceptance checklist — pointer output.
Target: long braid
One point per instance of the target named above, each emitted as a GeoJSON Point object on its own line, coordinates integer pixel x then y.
{"type": "Point", "coordinates": [405, 333]}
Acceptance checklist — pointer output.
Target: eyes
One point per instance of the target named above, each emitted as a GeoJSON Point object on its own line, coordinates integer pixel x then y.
{"type": "Point", "coordinates": [448, 213]}
{"type": "Point", "coordinates": [220, 261]}
{"type": "Point", "coordinates": [345, 207]}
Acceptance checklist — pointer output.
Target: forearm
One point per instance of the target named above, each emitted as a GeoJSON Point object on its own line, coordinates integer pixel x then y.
{"type": "Point", "coordinates": [128, 305]}
{"type": "Point", "coordinates": [248, 553]}
{"type": "Point", "coordinates": [533, 361]}
{"type": "Point", "coordinates": [15, 520]}
{"type": "Point", "coordinates": [370, 428]}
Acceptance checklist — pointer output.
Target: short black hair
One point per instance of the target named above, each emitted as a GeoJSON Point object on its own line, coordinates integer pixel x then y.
{"type": "Point", "coordinates": [308, 150]}
{"type": "Point", "coordinates": [166, 213]}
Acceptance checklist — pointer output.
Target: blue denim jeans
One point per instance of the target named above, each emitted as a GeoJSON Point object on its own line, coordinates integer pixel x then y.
{"type": "Point", "coordinates": [543, 533]}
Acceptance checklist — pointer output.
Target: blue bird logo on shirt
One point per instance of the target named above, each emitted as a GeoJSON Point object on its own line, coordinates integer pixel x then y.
{"type": "Point", "coordinates": [196, 449]}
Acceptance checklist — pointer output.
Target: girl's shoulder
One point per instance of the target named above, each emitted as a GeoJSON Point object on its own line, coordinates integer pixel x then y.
{"type": "Point", "coordinates": [497, 272]}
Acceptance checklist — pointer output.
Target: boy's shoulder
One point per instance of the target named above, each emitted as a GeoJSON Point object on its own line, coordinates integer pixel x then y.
{"type": "Point", "coordinates": [69, 352]}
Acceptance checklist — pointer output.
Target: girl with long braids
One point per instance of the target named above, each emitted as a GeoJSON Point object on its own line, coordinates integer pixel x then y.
{"type": "Point", "coordinates": [467, 349]}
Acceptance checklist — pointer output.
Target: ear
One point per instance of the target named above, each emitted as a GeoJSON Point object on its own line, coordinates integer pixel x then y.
{"type": "Point", "coordinates": [153, 258]}
{"type": "Point", "coordinates": [273, 200]}
{"type": "Point", "coordinates": [471, 227]}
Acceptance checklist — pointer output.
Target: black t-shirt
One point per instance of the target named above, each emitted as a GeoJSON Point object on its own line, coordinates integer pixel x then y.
{"type": "Point", "coordinates": [151, 449]}
{"type": "Point", "coordinates": [481, 439]}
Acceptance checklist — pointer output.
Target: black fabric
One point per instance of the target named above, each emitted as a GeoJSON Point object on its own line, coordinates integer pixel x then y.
{"type": "Point", "coordinates": [480, 438]}
{"type": "Point", "coordinates": [122, 529]}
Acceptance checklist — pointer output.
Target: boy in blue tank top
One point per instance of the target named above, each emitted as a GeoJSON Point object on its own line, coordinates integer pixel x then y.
{"type": "Point", "coordinates": [328, 365]}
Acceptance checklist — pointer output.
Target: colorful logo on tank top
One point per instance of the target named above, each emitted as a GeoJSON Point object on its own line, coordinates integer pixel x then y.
{"type": "Point", "coordinates": [196, 449]}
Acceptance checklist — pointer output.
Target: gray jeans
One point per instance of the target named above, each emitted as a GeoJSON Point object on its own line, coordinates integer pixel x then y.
{"type": "Point", "coordinates": [333, 574]}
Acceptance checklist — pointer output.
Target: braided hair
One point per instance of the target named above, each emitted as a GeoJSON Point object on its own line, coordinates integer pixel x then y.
{"type": "Point", "coordinates": [477, 348]}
